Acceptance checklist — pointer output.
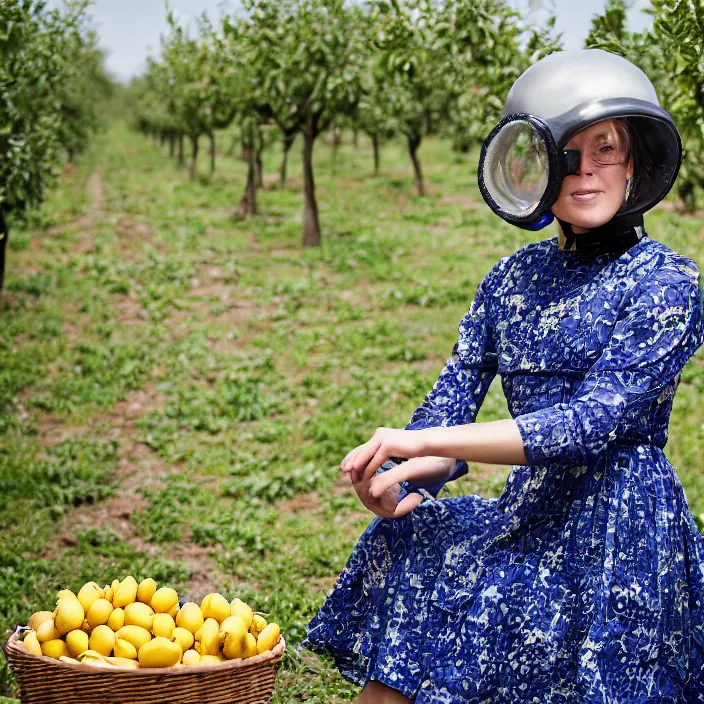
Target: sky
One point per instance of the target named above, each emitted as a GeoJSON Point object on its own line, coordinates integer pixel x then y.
{"type": "Point", "coordinates": [130, 29]}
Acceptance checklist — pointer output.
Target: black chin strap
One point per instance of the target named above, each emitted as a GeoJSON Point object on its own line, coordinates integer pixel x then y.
{"type": "Point", "coordinates": [617, 235]}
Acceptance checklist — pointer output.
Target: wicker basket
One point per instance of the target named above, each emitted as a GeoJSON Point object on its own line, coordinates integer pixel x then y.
{"type": "Point", "coordinates": [42, 679]}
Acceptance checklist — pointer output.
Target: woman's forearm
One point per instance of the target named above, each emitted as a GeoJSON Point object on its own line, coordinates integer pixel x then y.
{"type": "Point", "coordinates": [495, 442]}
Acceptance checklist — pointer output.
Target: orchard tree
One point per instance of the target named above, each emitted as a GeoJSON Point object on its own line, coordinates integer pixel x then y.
{"type": "Point", "coordinates": [373, 115]}
{"type": "Point", "coordinates": [85, 90]}
{"type": "Point", "coordinates": [413, 39]}
{"type": "Point", "coordinates": [679, 29]}
{"type": "Point", "coordinates": [45, 58]}
{"type": "Point", "coordinates": [185, 71]}
{"type": "Point", "coordinates": [671, 56]}
{"type": "Point", "coordinates": [451, 65]}
{"type": "Point", "coordinates": [307, 56]}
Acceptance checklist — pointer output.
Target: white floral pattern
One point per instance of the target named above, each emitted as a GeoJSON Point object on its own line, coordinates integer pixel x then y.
{"type": "Point", "coordinates": [584, 581]}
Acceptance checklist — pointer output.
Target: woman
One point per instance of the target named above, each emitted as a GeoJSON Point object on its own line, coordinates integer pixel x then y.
{"type": "Point", "coordinates": [584, 581]}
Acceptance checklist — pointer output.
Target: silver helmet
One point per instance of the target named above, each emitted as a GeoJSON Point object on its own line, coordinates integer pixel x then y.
{"type": "Point", "coordinates": [523, 160]}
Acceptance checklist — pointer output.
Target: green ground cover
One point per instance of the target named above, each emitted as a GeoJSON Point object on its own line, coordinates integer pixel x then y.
{"type": "Point", "coordinates": [178, 387]}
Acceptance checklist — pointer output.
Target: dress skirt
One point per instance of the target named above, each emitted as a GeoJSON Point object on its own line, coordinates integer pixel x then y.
{"type": "Point", "coordinates": [591, 594]}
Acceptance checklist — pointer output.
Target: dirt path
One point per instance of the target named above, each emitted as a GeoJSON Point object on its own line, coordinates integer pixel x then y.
{"type": "Point", "coordinates": [96, 195]}
{"type": "Point", "coordinates": [139, 466]}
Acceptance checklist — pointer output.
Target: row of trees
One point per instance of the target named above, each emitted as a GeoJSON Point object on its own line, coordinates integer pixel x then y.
{"type": "Point", "coordinates": [51, 80]}
{"type": "Point", "coordinates": [388, 67]}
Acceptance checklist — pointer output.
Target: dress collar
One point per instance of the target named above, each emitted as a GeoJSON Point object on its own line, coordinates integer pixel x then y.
{"type": "Point", "coordinates": [617, 235]}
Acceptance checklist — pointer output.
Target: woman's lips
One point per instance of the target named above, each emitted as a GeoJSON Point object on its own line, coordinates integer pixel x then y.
{"type": "Point", "coordinates": [585, 196]}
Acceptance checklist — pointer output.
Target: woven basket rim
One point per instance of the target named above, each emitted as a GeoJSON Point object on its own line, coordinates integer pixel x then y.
{"type": "Point", "coordinates": [14, 644]}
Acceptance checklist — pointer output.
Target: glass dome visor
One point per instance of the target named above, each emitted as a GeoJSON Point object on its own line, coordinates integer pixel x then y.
{"type": "Point", "coordinates": [518, 168]}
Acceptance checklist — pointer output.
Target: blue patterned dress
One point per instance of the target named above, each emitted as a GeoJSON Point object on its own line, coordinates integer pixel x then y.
{"type": "Point", "coordinates": [583, 583]}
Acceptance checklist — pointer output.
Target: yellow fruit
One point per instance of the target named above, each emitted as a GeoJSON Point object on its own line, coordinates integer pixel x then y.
{"type": "Point", "coordinates": [102, 640]}
{"type": "Point", "coordinates": [113, 589]}
{"type": "Point", "coordinates": [86, 626]}
{"type": "Point", "coordinates": [139, 614]}
{"type": "Point", "coordinates": [145, 590]}
{"type": "Point", "coordinates": [124, 649]}
{"type": "Point", "coordinates": [54, 648]}
{"type": "Point", "coordinates": [117, 661]}
{"type": "Point", "coordinates": [66, 658]}
{"type": "Point", "coordinates": [183, 637]}
{"type": "Point", "coordinates": [190, 657]}
{"type": "Point", "coordinates": [108, 592]}
{"type": "Point", "coordinates": [126, 592]}
{"type": "Point", "coordinates": [268, 638]}
{"type": "Point", "coordinates": [69, 615]}
{"type": "Point", "coordinates": [66, 594]}
{"type": "Point", "coordinates": [164, 600]}
{"type": "Point", "coordinates": [32, 644]}
{"type": "Point", "coordinates": [209, 641]}
{"type": "Point", "coordinates": [173, 611]}
{"type": "Point", "coordinates": [159, 652]}
{"type": "Point", "coordinates": [215, 606]}
{"type": "Point", "coordinates": [136, 635]}
{"type": "Point", "coordinates": [36, 619]}
{"type": "Point", "coordinates": [209, 660]}
{"type": "Point", "coordinates": [89, 593]}
{"type": "Point", "coordinates": [235, 626]}
{"type": "Point", "coordinates": [90, 655]}
{"type": "Point", "coordinates": [99, 612]}
{"type": "Point", "coordinates": [47, 631]}
{"type": "Point", "coordinates": [77, 642]}
{"type": "Point", "coordinates": [234, 646]}
{"type": "Point", "coordinates": [243, 610]}
{"type": "Point", "coordinates": [250, 646]}
{"type": "Point", "coordinates": [117, 619]}
{"type": "Point", "coordinates": [190, 617]}
{"type": "Point", "coordinates": [258, 623]}
{"type": "Point", "coordinates": [163, 626]}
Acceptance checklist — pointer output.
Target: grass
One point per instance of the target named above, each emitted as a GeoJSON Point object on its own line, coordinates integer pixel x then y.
{"type": "Point", "coordinates": [177, 386]}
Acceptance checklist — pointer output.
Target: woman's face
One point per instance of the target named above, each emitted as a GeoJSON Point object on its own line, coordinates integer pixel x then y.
{"type": "Point", "coordinates": [593, 195]}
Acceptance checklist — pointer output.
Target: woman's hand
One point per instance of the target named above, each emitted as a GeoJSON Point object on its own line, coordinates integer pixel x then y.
{"type": "Point", "coordinates": [386, 505]}
{"type": "Point", "coordinates": [384, 444]}
{"type": "Point", "coordinates": [380, 494]}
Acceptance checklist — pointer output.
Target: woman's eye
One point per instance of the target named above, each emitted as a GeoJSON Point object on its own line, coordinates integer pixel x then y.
{"type": "Point", "coordinates": [606, 149]}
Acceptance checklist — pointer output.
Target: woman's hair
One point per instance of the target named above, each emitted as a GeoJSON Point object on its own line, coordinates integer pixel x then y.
{"type": "Point", "coordinates": [643, 165]}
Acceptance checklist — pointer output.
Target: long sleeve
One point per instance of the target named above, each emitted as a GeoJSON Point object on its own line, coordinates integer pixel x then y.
{"type": "Point", "coordinates": [658, 329]}
{"type": "Point", "coordinates": [463, 383]}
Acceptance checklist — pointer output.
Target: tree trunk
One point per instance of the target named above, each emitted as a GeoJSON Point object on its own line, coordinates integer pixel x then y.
{"type": "Point", "coordinates": [248, 202]}
{"type": "Point", "coordinates": [258, 169]}
{"type": "Point", "coordinates": [311, 223]}
{"type": "Point", "coordinates": [3, 247]}
{"type": "Point", "coordinates": [172, 145]}
{"type": "Point", "coordinates": [336, 141]}
{"type": "Point", "coordinates": [194, 157]}
{"type": "Point", "coordinates": [288, 143]}
{"type": "Point", "coordinates": [355, 138]}
{"type": "Point", "coordinates": [211, 136]}
{"type": "Point", "coordinates": [375, 145]}
{"type": "Point", "coordinates": [181, 160]}
{"type": "Point", "coordinates": [413, 144]}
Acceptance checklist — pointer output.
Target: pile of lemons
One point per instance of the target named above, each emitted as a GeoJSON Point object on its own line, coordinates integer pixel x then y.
{"type": "Point", "coordinates": [128, 624]}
